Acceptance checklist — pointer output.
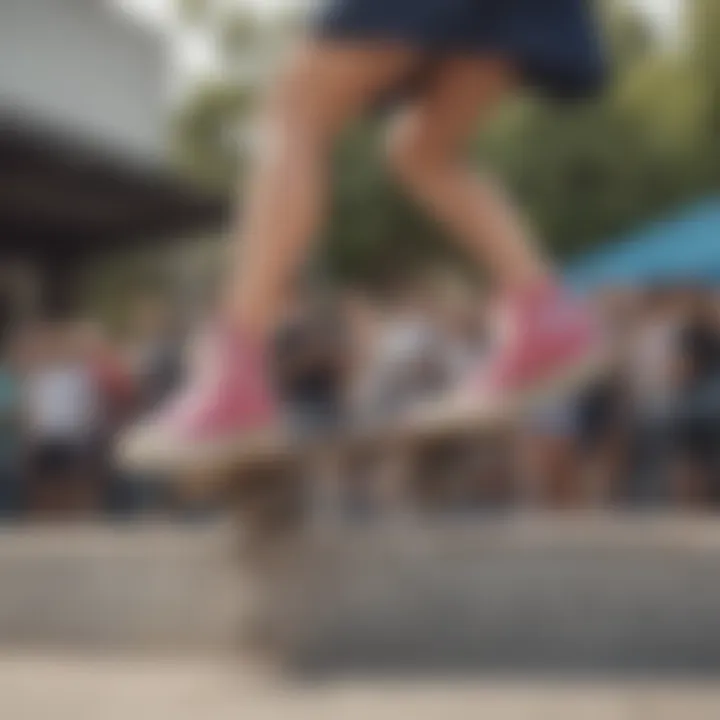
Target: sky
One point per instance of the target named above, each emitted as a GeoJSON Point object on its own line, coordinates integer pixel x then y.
{"type": "Point", "coordinates": [665, 12]}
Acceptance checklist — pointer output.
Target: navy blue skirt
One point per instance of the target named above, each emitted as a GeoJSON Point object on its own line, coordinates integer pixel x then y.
{"type": "Point", "coordinates": [556, 44]}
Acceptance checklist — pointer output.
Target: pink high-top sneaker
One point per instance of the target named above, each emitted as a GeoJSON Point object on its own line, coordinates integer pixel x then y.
{"type": "Point", "coordinates": [549, 344]}
{"type": "Point", "coordinates": [226, 409]}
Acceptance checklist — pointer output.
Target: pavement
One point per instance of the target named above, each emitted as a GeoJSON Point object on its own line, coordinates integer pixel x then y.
{"type": "Point", "coordinates": [65, 687]}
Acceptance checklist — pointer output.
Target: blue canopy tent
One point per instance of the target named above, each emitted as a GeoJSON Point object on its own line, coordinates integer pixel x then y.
{"type": "Point", "coordinates": [683, 249]}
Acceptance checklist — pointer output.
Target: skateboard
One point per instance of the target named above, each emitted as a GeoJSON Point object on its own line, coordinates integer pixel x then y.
{"type": "Point", "coordinates": [405, 456]}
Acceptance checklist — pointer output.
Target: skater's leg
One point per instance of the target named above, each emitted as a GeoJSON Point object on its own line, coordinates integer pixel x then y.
{"type": "Point", "coordinates": [228, 406]}
{"type": "Point", "coordinates": [548, 343]}
{"type": "Point", "coordinates": [325, 86]}
{"type": "Point", "coordinates": [426, 150]}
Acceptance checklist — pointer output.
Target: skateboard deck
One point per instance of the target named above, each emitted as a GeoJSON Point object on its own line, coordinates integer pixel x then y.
{"type": "Point", "coordinates": [281, 447]}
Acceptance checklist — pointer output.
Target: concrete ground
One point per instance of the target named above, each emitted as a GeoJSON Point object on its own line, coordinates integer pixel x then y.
{"type": "Point", "coordinates": [84, 688]}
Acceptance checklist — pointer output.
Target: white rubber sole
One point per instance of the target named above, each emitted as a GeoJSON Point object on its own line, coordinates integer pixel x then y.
{"type": "Point", "coordinates": [506, 411]}
{"type": "Point", "coordinates": [146, 452]}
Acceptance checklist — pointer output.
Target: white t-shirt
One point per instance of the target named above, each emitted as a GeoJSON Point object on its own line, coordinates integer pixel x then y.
{"type": "Point", "coordinates": [63, 403]}
{"type": "Point", "coordinates": [652, 364]}
{"type": "Point", "coordinates": [394, 376]}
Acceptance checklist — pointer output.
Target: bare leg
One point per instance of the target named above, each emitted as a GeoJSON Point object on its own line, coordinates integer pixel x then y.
{"type": "Point", "coordinates": [425, 151]}
{"type": "Point", "coordinates": [325, 87]}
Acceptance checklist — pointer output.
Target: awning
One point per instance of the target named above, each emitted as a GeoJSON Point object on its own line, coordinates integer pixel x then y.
{"type": "Point", "coordinates": [59, 195]}
{"type": "Point", "coordinates": [678, 250]}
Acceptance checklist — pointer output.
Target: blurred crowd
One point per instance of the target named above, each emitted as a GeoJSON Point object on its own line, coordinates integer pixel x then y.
{"type": "Point", "coordinates": [66, 388]}
{"type": "Point", "coordinates": [646, 435]}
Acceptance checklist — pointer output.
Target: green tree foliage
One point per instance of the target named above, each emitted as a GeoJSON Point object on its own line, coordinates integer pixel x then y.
{"type": "Point", "coordinates": [209, 132]}
{"type": "Point", "coordinates": [193, 12]}
{"type": "Point", "coordinates": [705, 67]}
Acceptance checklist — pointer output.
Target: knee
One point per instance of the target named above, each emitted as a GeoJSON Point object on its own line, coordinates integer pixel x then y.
{"type": "Point", "coordinates": [284, 117]}
{"type": "Point", "coordinates": [413, 154]}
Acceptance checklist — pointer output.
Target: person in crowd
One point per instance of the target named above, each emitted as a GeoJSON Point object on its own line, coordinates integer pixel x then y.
{"type": "Point", "coordinates": [698, 413]}
{"type": "Point", "coordinates": [652, 383]}
{"type": "Point", "coordinates": [463, 320]}
{"type": "Point", "coordinates": [11, 480]}
{"type": "Point", "coordinates": [550, 469]}
{"type": "Point", "coordinates": [113, 377]}
{"type": "Point", "coordinates": [312, 361]}
{"type": "Point", "coordinates": [407, 363]}
{"type": "Point", "coordinates": [470, 473]}
{"type": "Point", "coordinates": [156, 362]}
{"type": "Point", "coordinates": [156, 356]}
{"type": "Point", "coordinates": [117, 395]}
{"type": "Point", "coordinates": [605, 415]}
{"type": "Point", "coordinates": [63, 421]}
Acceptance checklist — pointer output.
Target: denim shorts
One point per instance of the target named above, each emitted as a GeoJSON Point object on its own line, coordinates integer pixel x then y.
{"type": "Point", "coordinates": [555, 44]}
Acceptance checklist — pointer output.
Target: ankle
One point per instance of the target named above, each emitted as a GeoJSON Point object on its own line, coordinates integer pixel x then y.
{"type": "Point", "coordinates": [532, 288]}
{"type": "Point", "coordinates": [246, 326]}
